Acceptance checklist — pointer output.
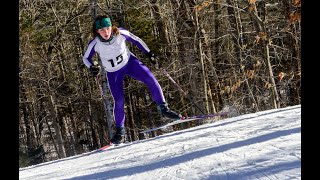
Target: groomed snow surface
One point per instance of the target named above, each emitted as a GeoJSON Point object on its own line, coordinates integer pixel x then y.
{"type": "Point", "coordinates": [264, 145]}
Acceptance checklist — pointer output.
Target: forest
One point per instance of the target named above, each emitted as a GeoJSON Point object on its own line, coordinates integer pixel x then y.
{"type": "Point", "coordinates": [244, 54]}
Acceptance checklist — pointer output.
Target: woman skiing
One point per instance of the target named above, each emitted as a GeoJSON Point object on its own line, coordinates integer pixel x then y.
{"type": "Point", "coordinates": [109, 43]}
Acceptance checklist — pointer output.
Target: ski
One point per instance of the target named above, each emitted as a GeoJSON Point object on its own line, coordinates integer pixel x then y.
{"type": "Point", "coordinates": [111, 145]}
{"type": "Point", "coordinates": [192, 118]}
{"type": "Point", "coordinates": [171, 124]}
{"type": "Point", "coordinates": [106, 147]}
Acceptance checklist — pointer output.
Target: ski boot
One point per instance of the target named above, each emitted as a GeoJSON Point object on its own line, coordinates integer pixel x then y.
{"type": "Point", "coordinates": [118, 137]}
{"type": "Point", "coordinates": [167, 112]}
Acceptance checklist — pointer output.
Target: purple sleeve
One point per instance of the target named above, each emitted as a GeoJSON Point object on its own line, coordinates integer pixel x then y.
{"type": "Point", "coordinates": [135, 40]}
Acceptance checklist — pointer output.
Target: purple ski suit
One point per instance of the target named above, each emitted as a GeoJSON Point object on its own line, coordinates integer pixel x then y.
{"type": "Point", "coordinates": [118, 61]}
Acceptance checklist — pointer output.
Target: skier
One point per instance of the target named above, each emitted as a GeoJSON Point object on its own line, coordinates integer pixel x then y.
{"type": "Point", "coordinates": [110, 43]}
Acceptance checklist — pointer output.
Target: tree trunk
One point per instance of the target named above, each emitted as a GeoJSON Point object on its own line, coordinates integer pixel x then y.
{"type": "Point", "coordinates": [104, 87]}
{"type": "Point", "coordinates": [108, 107]}
{"type": "Point", "coordinates": [53, 114]}
{"type": "Point", "coordinates": [235, 21]}
{"type": "Point", "coordinates": [261, 30]}
{"type": "Point", "coordinates": [30, 138]}
{"type": "Point", "coordinates": [131, 109]}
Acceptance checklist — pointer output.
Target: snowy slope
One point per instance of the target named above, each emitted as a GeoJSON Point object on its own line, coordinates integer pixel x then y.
{"type": "Point", "coordinates": [263, 145]}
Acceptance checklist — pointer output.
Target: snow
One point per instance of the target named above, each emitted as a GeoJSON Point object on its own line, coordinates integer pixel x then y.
{"type": "Point", "coordinates": [262, 145]}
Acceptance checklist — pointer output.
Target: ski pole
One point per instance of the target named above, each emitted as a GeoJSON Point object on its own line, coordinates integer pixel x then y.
{"type": "Point", "coordinates": [100, 88]}
{"type": "Point", "coordinates": [179, 87]}
{"type": "Point", "coordinates": [104, 103]}
{"type": "Point", "coordinates": [98, 84]}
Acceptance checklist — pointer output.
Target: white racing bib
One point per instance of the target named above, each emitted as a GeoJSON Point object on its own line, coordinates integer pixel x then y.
{"type": "Point", "coordinates": [114, 54]}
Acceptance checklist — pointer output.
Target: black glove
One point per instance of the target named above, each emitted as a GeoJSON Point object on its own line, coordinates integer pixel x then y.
{"type": "Point", "coordinates": [94, 69]}
{"type": "Point", "coordinates": [152, 57]}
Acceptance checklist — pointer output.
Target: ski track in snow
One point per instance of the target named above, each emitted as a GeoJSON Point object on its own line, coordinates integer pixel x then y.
{"type": "Point", "coordinates": [264, 145]}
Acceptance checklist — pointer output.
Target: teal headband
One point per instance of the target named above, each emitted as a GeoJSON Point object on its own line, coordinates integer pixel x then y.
{"type": "Point", "coordinates": [105, 22]}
